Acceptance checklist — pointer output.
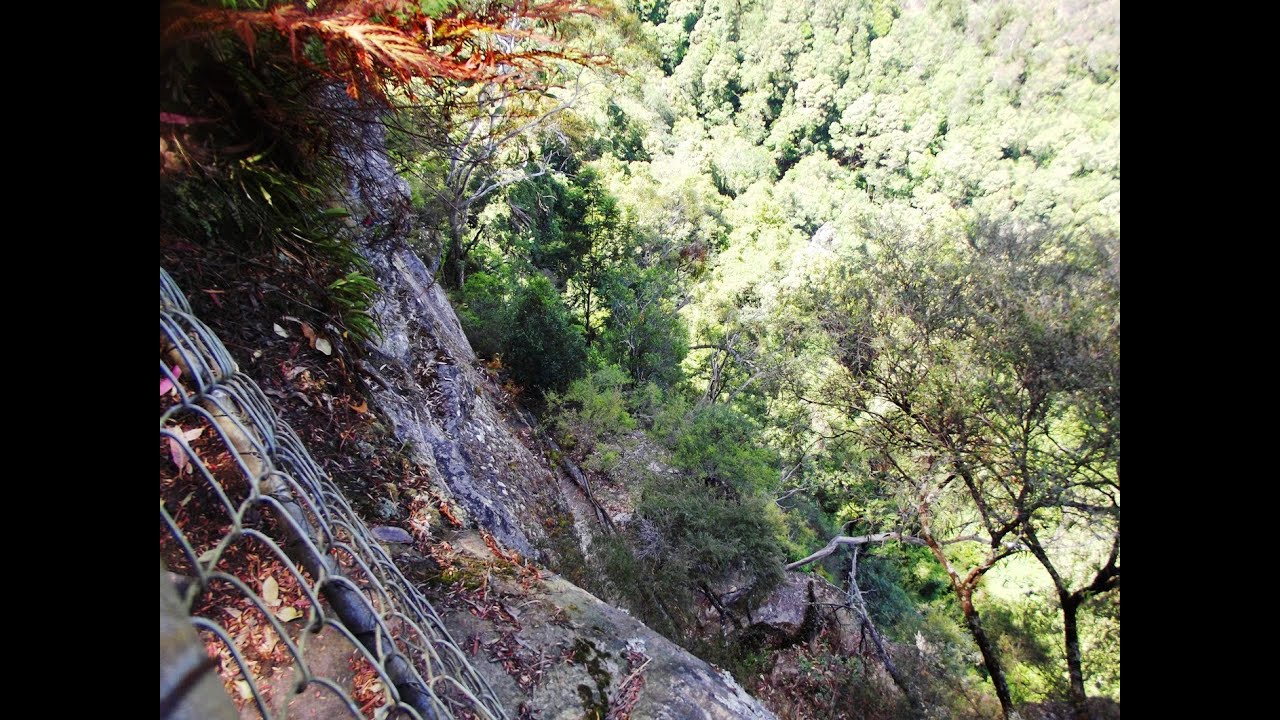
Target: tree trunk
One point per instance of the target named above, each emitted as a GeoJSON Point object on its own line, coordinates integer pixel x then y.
{"type": "Point", "coordinates": [586, 318]}
{"type": "Point", "coordinates": [963, 588]}
{"type": "Point", "coordinates": [1075, 670]}
{"type": "Point", "coordinates": [451, 268]}
{"type": "Point", "coordinates": [989, 656]}
{"type": "Point", "coordinates": [1105, 579]}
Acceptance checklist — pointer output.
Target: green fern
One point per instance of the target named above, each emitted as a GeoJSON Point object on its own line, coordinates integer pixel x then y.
{"type": "Point", "coordinates": [353, 295]}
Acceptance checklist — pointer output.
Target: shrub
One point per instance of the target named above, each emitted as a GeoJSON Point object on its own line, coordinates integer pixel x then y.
{"type": "Point", "coordinates": [593, 408]}
{"type": "Point", "coordinates": [485, 313]}
{"type": "Point", "coordinates": [545, 349]}
{"type": "Point", "coordinates": [712, 538]}
{"type": "Point", "coordinates": [722, 446]}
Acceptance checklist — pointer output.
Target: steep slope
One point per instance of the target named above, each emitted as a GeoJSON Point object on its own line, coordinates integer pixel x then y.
{"type": "Point", "coordinates": [553, 647]}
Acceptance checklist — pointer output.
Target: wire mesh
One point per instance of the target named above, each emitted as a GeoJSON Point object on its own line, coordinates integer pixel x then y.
{"type": "Point", "coordinates": [300, 611]}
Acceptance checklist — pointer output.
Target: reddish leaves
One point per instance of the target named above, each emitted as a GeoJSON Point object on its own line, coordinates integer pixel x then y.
{"type": "Point", "coordinates": [377, 45]}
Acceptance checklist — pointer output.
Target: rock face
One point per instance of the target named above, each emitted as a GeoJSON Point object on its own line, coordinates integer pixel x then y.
{"type": "Point", "coordinates": [825, 236]}
{"type": "Point", "coordinates": [569, 655]}
{"type": "Point", "coordinates": [798, 609]}
{"type": "Point", "coordinates": [423, 377]}
{"type": "Point", "coordinates": [788, 612]}
{"type": "Point", "coordinates": [426, 381]}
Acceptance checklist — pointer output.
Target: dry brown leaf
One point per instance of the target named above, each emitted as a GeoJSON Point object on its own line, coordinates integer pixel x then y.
{"type": "Point", "coordinates": [271, 591]}
{"type": "Point", "coordinates": [287, 613]}
{"type": "Point", "coordinates": [177, 454]}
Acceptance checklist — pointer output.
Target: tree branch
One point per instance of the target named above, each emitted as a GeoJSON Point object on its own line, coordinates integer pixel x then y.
{"type": "Point", "coordinates": [839, 540]}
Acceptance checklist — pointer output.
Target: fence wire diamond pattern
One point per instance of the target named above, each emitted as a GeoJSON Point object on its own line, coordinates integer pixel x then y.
{"type": "Point", "coordinates": [272, 588]}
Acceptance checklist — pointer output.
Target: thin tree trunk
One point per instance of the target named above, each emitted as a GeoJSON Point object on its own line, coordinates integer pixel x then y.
{"type": "Point", "coordinates": [586, 318]}
{"type": "Point", "coordinates": [963, 588]}
{"type": "Point", "coordinates": [1075, 668]}
{"type": "Point", "coordinates": [989, 656]}
{"type": "Point", "coordinates": [1105, 579]}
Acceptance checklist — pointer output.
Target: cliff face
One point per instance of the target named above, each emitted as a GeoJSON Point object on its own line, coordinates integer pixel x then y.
{"type": "Point", "coordinates": [427, 382]}
{"type": "Point", "coordinates": [551, 646]}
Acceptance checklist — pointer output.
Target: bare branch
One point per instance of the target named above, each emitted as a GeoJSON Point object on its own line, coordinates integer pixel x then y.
{"type": "Point", "coordinates": [839, 540]}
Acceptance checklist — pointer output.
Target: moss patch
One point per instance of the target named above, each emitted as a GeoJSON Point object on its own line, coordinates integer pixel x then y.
{"type": "Point", "coordinates": [595, 703]}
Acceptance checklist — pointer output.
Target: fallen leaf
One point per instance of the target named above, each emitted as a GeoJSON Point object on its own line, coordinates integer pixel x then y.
{"type": "Point", "coordinates": [175, 119]}
{"type": "Point", "coordinates": [448, 515]}
{"type": "Point", "coordinates": [287, 613]}
{"type": "Point", "coordinates": [233, 612]}
{"type": "Point", "coordinates": [177, 454]}
{"type": "Point", "coordinates": [192, 434]}
{"type": "Point", "coordinates": [165, 383]}
{"type": "Point", "coordinates": [363, 407]}
{"type": "Point", "coordinates": [323, 346]}
{"type": "Point", "coordinates": [309, 334]}
{"type": "Point", "coordinates": [279, 330]}
{"type": "Point", "coordinates": [271, 591]}
{"type": "Point", "coordinates": [246, 692]}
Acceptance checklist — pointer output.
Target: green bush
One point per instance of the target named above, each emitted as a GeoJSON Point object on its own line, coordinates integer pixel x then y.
{"type": "Point", "coordinates": [712, 538]}
{"type": "Point", "coordinates": [545, 349]}
{"type": "Point", "coordinates": [593, 408]}
{"type": "Point", "coordinates": [722, 446]}
{"type": "Point", "coordinates": [484, 311]}
{"type": "Point", "coordinates": [684, 537]}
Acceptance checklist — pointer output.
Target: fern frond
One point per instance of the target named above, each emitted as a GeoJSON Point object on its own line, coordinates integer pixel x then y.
{"type": "Point", "coordinates": [375, 45]}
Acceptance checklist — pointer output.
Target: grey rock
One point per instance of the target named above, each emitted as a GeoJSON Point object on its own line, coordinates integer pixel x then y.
{"type": "Point", "coordinates": [559, 618]}
{"type": "Point", "coordinates": [386, 533]}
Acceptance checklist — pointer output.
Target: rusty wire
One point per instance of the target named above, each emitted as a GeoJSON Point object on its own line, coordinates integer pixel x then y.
{"type": "Point", "coordinates": [247, 500]}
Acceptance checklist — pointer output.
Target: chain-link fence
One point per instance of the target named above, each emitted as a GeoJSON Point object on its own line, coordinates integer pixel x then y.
{"type": "Point", "coordinates": [295, 607]}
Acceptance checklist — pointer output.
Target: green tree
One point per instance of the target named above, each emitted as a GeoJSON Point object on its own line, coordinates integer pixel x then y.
{"type": "Point", "coordinates": [984, 377]}
{"type": "Point", "coordinates": [1050, 319]}
{"type": "Point", "coordinates": [485, 312]}
{"type": "Point", "coordinates": [644, 333]}
{"type": "Point", "coordinates": [545, 350]}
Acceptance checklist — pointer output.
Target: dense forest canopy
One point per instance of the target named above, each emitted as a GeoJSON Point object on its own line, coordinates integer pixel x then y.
{"type": "Point", "coordinates": [882, 240]}
{"type": "Point", "coordinates": [850, 266]}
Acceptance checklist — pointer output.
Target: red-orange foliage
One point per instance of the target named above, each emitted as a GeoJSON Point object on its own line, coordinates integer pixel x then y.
{"type": "Point", "coordinates": [376, 45]}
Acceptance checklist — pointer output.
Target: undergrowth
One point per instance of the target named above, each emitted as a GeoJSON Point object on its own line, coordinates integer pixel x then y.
{"type": "Point", "coordinates": [246, 164]}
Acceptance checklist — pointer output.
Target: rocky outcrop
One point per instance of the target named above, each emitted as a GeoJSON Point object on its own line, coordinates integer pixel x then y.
{"type": "Point", "coordinates": [789, 613]}
{"type": "Point", "coordinates": [423, 375]}
{"type": "Point", "coordinates": [425, 379]}
{"type": "Point", "coordinates": [560, 650]}
{"type": "Point", "coordinates": [801, 607]}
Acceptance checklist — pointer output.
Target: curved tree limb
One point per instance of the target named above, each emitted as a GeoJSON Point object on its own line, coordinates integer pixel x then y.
{"type": "Point", "coordinates": [839, 540]}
